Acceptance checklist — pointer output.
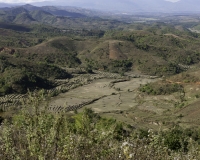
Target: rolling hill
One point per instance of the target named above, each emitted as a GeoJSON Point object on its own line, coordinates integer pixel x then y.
{"type": "Point", "coordinates": [120, 51]}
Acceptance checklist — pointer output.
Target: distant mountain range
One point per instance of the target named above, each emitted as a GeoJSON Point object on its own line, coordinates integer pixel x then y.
{"type": "Point", "coordinates": [132, 5]}
{"type": "Point", "coordinates": [66, 11]}
{"type": "Point", "coordinates": [127, 6]}
{"type": "Point", "coordinates": [61, 17]}
{"type": "Point", "coordinates": [13, 11]}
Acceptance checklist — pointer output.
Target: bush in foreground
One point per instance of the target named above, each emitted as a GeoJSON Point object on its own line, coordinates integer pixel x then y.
{"type": "Point", "coordinates": [36, 134]}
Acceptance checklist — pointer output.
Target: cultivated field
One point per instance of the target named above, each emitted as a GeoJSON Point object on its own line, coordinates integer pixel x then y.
{"type": "Point", "coordinates": [119, 97]}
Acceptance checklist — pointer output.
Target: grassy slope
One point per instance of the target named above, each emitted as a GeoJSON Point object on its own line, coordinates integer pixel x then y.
{"type": "Point", "coordinates": [178, 97]}
{"type": "Point", "coordinates": [157, 54]}
{"type": "Point", "coordinates": [154, 53]}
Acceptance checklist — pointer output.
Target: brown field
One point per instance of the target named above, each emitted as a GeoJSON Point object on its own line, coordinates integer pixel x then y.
{"type": "Point", "coordinates": [124, 102]}
{"type": "Point", "coordinates": [115, 52]}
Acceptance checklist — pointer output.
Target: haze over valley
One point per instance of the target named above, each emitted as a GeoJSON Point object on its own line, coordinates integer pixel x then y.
{"type": "Point", "coordinates": [127, 6]}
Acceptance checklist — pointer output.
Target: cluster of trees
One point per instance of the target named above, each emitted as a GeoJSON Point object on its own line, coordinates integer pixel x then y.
{"type": "Point", "coordinates": [161, 88]}
{"type": "Point", "coordinates": [120, 66]}
{"type": "Point", "coordinates": [17, 76]}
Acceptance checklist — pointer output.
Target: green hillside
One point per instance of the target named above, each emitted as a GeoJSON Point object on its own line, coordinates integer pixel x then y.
{"type": "Point", "coordinates": [41, 15]}
{"type": "Point", "coordinates": [18, 74]}
{"type": "Point", "coordinates": [158, 49]}
{"type": "Point", "coordinates": [24, 18]}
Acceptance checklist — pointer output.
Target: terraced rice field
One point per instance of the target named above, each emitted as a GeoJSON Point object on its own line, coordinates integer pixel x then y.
{"type": "Point", "coordinates": [112, 95]}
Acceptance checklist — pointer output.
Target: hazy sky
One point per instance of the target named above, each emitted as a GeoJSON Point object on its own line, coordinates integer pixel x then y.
{"type": "Point", "coordinates": [30, 1]}
{"type": "Point", "coordinates": [166, 6]}
{"type": "Point", "coordinates": [21, 1]}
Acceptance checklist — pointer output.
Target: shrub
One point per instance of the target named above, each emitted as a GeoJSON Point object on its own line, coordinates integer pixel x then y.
{"type": "Point", "coordinates": [160, 88]}
{"type": "Point", "coordinates": [36, 134]}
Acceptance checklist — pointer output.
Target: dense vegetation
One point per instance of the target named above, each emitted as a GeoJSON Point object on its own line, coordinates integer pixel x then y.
{"type": "Point", "coordinates": [162, 88]}
{"type": "Point", "coordinates": [19, 75]}
{"type": "Point", "coordinates": [34, 133]}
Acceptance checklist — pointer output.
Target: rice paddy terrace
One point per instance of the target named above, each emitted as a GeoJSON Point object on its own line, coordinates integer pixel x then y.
{"type": "Point", "coordinates": [113, 95]}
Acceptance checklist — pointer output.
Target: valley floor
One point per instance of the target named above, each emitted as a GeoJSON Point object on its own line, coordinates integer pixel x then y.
{"type": "Point", "coordinates": [112, 95]}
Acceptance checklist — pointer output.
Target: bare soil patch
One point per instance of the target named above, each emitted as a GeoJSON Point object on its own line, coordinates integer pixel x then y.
{"type": "Point", "coordinates": [114, 51]}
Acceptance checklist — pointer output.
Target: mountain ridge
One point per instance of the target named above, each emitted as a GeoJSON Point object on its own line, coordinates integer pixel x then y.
{"type": "Point", "coordinates": [133, 6]}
